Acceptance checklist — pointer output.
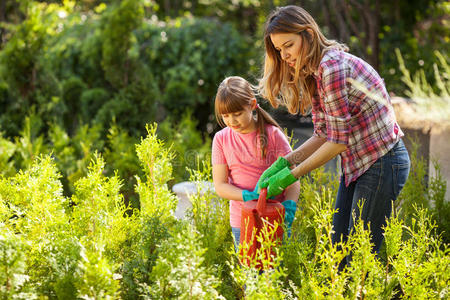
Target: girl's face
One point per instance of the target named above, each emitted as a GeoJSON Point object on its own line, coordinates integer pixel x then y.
{"type": "Point", "coordinates": [289, 45]}
{"type": "Point", "coordinates": [240, 121]}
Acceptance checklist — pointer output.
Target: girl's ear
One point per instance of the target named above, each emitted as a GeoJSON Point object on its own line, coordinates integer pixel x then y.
{"type": "Point", "coordinates": [253, 103]}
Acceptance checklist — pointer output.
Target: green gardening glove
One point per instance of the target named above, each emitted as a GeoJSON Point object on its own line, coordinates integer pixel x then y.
{"type": "Point", "coordinates": [278, 182]}
{"type": "Point", "coordinates": [277, 166]}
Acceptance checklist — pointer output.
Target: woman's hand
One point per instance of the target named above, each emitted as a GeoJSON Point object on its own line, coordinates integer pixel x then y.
{"type": "Point", "coordinates": [278, 182]}
{"type": "Point", "coordinates": [277, 166]}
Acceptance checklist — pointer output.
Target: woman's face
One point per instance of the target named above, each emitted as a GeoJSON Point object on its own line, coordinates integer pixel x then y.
{"type": "Point", "coordinates": [289, 45]}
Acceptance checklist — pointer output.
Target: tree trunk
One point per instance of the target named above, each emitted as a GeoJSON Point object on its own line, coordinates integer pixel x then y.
{"type": "Point", "coordinates": [371, 24]}
{"type": "Point", "coordinates": [373, 29]}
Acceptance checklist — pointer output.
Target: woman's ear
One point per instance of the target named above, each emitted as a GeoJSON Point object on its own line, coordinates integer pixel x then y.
{"type": "Point", "coordinates": [310, 34]}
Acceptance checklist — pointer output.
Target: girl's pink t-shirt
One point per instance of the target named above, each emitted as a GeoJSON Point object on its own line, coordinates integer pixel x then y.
{"type": "Point", "coordinates": [242, 155]}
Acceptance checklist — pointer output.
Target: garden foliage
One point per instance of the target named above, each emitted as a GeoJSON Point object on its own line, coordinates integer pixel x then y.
{"type": "Point", "coordinates": [86, 208]}
{"type": "Point", "coordinates": [114, 63]}
{"type": "Point", "coordinates": [93, 245]}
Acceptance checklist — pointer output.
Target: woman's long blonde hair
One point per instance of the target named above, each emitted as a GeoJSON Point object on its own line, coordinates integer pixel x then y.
{"type": "Point", "coordinates": [280, 84]}
{"type": "Point", "coordinates": [234, 94]}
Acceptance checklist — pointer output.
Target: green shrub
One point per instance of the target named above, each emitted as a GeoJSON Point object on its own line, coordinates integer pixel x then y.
{"type": "Point", "coordinates": [7, 150]}
{"type": "Point", "coordinates": [189, 57]}
{"type": "Point", "coordinates": [91, 101]}
{"type": "Point", "coordinates": [143, 251]}
{"type": "Point", "coordinates": [34, 199]}
{"type": "Point", "coordinates": [415, 190]}
{"type": "Point", "coordinates": [210, 218]}
{"type": "Point", "coordinates": [116, 62]}
{"type": "Point", "coordinates": [73, 154]}
{"type": "Point", "coordinates": [19, 58]}
{"type": "Point", "coordinates": [96, 278]}
{"type": "Point", "coordinates": [133, 106]}
{"type": "Point", "coordinates": [179, 271]}
{"type": "Point", "coordinates": [38, 212]}
{"type": "Point", "coordinates": [187, 143]}
{"type": "Point", "coordinates": [441, 207]}
{"type": "Point", "coordinates": [54, 264]}
{"type": "Point", "coordinates": [155, 158]}
{"type": "Point", "coordinates": [93, 245]}
{"type": "Point", "coordinates": [419, 260]}
{"type": "Point", "coordinates": [121, 159]}
{"type": "Point", "coordinates": [72, 89]}
{"type": "Point", "coordinates": [31, 143]}
{"type": "Point", "coordinates": [118, 23]}
{"type": "Point", "coordinates": [425, 191]}
{"type": "Point", "coordinates": [13, 276]}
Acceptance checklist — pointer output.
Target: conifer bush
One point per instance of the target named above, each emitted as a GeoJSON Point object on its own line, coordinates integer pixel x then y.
{"type": "Point", "coordinates": [94, 245]}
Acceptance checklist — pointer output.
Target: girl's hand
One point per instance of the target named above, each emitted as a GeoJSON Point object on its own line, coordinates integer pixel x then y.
{"type": "Point", "coordinates": [290, 207]}
{"type": "Point", "coordinates": [248, 195]}
{"type": "Point", "coordinates": [278, 182]}
{"type": "Point", "coordinates": [277, 166]}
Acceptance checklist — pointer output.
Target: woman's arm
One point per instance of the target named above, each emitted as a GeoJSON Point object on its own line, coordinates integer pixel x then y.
{"type": "Point", "coordinates": [325, 153]}
{"type": "Point", "coordinates": [221, 185]}
{"type": "Point", "coordinates": [305, 150]}
{"type": "Point", "coordinates": [292, 192]}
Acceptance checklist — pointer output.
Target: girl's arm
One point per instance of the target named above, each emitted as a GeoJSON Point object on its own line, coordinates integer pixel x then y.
{"type": "Point", "coordinates": [326, 152]}
{"type": "Point", "coordinates": [223, 188]}
{"type": "Point", "coordinates": [305, 150]}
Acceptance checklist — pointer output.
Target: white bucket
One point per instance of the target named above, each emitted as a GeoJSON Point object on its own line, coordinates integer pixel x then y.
{"type": "Point", "coordinates": [186, 188]}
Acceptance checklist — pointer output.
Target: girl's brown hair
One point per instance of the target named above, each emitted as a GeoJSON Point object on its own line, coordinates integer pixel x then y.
{"type": "Point", "coordinates": [234, 94]}
{"type": "Point", "coordinates": [280, 84]}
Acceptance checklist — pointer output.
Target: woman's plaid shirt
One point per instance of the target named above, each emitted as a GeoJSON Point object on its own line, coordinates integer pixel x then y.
{"type": "Point", "coordinates": [352, 107]}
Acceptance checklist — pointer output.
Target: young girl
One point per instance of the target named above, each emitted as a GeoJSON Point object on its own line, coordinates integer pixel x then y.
{"type": "Point", "coordinates": [250, 142]}
{"type": "Point", "coordinates": [352, 117]}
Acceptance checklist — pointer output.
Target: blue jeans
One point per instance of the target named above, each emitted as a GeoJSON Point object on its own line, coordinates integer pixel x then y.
{"type": "Point", "coordinates": [237, 235]}
{"type": "Point", "coordinates": [378, 186]}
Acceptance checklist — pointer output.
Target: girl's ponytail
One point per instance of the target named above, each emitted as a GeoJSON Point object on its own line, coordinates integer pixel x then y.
{"type": "Point", "coordinates": [264, 118]}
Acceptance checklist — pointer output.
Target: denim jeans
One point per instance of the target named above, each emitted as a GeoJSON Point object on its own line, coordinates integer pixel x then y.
{"type": "Point", "coordinates": [378, 187]}
{"type": "Point", "coordinates": [237, 235]}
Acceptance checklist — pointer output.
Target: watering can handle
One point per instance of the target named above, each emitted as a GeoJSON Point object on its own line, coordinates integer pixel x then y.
{"type": "Point", "coordinates": [261, 205]}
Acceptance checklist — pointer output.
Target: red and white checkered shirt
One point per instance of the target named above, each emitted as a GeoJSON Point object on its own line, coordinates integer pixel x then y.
{"type": "Point", "coordinates": [359, 115]}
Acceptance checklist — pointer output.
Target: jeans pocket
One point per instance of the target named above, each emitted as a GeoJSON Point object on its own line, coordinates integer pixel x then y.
{"type": "Point", "coordinates": [400, 175]}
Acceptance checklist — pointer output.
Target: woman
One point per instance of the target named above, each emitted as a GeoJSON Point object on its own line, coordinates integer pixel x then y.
{"type": "Point", "coordinates": [352, 117]}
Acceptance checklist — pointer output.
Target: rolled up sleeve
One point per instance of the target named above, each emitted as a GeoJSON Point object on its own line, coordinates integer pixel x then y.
{"type": "Point", "coordinates": [336, 107]}
{"type": "Point", "coordinates": [319, 124]}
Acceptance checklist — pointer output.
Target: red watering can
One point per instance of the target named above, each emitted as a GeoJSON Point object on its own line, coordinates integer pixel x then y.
{"type": "Point", "coordinates": [260, 216]}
